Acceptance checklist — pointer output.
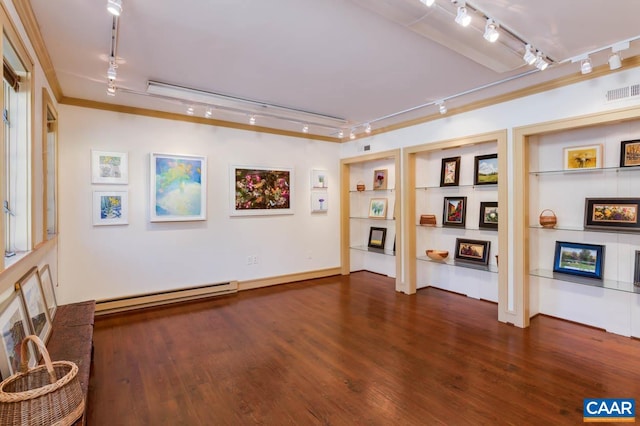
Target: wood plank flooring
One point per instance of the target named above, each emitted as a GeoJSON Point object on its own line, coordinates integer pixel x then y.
{"type": "Point", "coordinates": [350, 351]}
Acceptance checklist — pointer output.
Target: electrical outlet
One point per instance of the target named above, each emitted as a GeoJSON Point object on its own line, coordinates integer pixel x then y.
{"type": "Point", "coordinates": [255, 260]}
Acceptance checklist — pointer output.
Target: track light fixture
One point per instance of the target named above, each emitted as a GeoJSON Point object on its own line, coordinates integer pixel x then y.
{"type": "Point", "coordinates": [442, 107]}
{"type": "Point", "coordinates": [367, 128]}
{"type": "Point", "coordinates": [252, 120]}
{"type": "Point", "coordinates": [111, 71]}
{"type": "Point", "coordinates": [615, 61]}
{"type": "Point", "coordinates": [190, 110]}
{"type": "Point", "coordinates": [463, 18]}
{"type": "Point", "coordinates": [114, 7]}
{"type": "Point", "coordinates": [340, 134]}
{"type": "Point", "coordinates": [529, 55]}
{"type": "Point", "coordinates": [111, 89]}
{"type": "Point", "coordinates": [585, 66]}
{"type": "Point", "coordinates": [305, 128]}
{"type": "Point", "coordinates": [208, 113]}
{"type": "Point", "coordinates": [428, 3]}
{"type": "Point", "coordinates": [541, 63]}
{"type": "Point", "coordinates": [352, 134]}
{"type": "Point", "coordinates": [491, 33]}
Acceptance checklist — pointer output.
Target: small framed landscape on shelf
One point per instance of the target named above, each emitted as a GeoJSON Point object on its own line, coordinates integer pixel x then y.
{"type": "Point", "coordinates": [450, 172]}
{"type": "Point", "coordinates": [110, 208]}
{"type": "Point", "coordinates": [612, 214]}
{"type": "Point", "coordinates": [472, 251]}
{"type": "Point", "coordinates": [583, 157]}
{"type": "Point", "coordinates": [378, 208]}
{"type": "Point", "coordinates": [486, 170]}
{"type": "Point", "coordinates": [454, 212]}
{"type": "Point", "coordinates": [630, 153]}
{"type": "Point", "coordinates": [488, 215]}
{"type": "Point", "coordinates": [377, 238]}
{"type": "Point", "coordinates": [583, 260]}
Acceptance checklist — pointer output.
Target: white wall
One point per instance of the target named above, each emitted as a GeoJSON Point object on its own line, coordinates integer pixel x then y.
{"type": "Point", "coordinates": [99, 262]}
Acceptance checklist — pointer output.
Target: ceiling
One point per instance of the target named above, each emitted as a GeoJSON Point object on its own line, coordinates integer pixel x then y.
{"type": "Point", "coordinates": [358, 60]}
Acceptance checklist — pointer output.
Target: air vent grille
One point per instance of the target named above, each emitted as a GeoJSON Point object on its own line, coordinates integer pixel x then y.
{"type": "Point", "coordinates": [621, 93]}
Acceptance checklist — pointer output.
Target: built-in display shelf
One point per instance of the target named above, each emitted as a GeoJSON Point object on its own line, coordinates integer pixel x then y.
{"type": "Point", "coordinates": [582, 229]}
{"type": "Point", "coordinates": [373, 250]}
{"type": "Point", "coordinates": [379, 191]}
{"type": "Point", "coordinates": [451, 262]}
{"type": "Point", "coordinates": [491, 186]}
{"type": "Point", "coordinates": [375, 219]}
{"type": "Point", "coordinates": [456, 228]}
{"type": "Point", "coordinates": [607, 284]}
{"type": "Point", "coordinates": [593, 170]}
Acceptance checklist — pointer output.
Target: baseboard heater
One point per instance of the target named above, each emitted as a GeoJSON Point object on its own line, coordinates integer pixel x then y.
{"type": "Point", "coordinates": [120, 304]}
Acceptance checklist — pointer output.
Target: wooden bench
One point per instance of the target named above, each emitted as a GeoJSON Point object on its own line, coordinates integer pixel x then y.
{"type": "Point", "coordinates": [72, 340]}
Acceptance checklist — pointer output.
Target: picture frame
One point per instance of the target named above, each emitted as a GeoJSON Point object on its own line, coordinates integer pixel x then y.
{"type": "Point", "coordinates": [14, 327]}
{"type": "Point", "coordinates": [485, 169]}
{"type": "Point", "coordinates": [48, 288]}
{"type": "Point", "coordinates": [261, 190]}
{"type": "Point", "coordinates": [579, 259]}
{"type": "Point", "coordinates": [110, 208]}
{"type": "Point", "coordinates": [454, 212]}
{"type": "Point", "coordinates": [488, 217]}
{"type": "Point", "coordinates": [630, 153]}
{"type": "Point", "coordinates": [30, 289]}
{"type": "Point", "coordinates": [636, 270]}
{"type": "Point", "coordinates": [108, 167]}
{"type": "Point", "coordinates": [178, 188]}
{"type": "Point", "coordinates": [583, 157]}
{"type": "Point", "coordinates": [380, 179]}
{"type": "Point", "coordinates": [450, 171]}
{"type": "Point", "coordinates": [474, 252]}
{"type": "Point", "coordinates": [619, 214]}
{"type": "Point", "coordinates": [377, 237]}
{"type": "Point", "coordinates": [378, 208]}
{"type": "Point", "coordinates": [319, 202]}
{"type": "Point", "coordinates": [319, 179]}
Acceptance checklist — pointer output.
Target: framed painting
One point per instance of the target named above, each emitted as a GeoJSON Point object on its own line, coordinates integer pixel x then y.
{"type": "Point", "coordinates": [46, 280]}
{"type": "Point", "coordinates": [450, 172]}
{"type": "Point", "coordinates": [257, 190]}
{"type": "Point", "coordinates": [30, 289]}
{"type": "Point", "coordinates": [454, 211]}
{"type": "Point", "coordinates": [380, 179]}
{"type": "Point", "coordinates": [486, 170]}
{"type": "Point", "coordinates": [110, 208]}
{"type": "Point", "coordinates": [178, 189]}
{"type": "Point", "coordinates": [378, 208]}
{"type": "Point", "coordinates": [319, 202]}
{"type": "Point", "coordinates": [583, 157]}
{"type": "Point", "coordinates": [630, 153]}
{"type": "Point", "coordinates": [488, 215]}
{"type": "Point", "coordinates": [620, 214]}
{"type": "Point", "coordinates": [584, 260]}
{"type": "Point", "coordinates": [472, 251]}
{"type": "Point", "coordinates": [14, 327]}
{"type": "Point", "coordinates": [377, 238]}
{"type": "Point", "coordinates": [109, 167]}
{"type": "Point", "coordinates": [319, 179]}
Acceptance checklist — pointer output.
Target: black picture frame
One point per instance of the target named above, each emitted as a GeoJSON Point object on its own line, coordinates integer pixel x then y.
{"type": "Point", "coordinates": [377, 237]}
{"type": "Point", "coordinates": [454, 212]}
{"type": "Point", "coordinates": [636, 271]}
{"type": "Point", "coordinates": [472, 251]}
{"type": "Point", "coordinates": [450, 172]}
{"type": "Point", "coordinates": [488, 218]}
{"type": "Point", "coordinates": [579, 259]}
{"type": "Point", "coordinates": [612, 214]}
{"type": "Point", "coordinates": [485, 169]}
{"type": "Point", "coordinates": [630, 153]}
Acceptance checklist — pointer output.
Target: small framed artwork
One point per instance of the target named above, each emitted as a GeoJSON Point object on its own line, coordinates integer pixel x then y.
{"type": "Point", "coordinates": [110, 208]}
{"type": "Point", "coordinates": [636, 271]}
{"type": "Point", "coordinates": [30, 289]}
{"type": "Point", "coordinates": [472, 251]}
{"type": "Point", "coordinates": [454, 211]}
{"type": "Point", "coordinates": [377, 237]}
{"type": "Point", "coordinates": [109, 167]}
{"type": "Point", "coordinates": [378, 208]}
{"type": "Point", "coordinates": [46, 280]}
{"type": "Point", "coordinates": [178, 188]}
{"type": "Point", "coordinates": [630, 153]}
{"type": "Point", "coordinates": [319, 179]}
{"type": "Point", "coordinates": [486, 170]}
{"type": "Point", "coordinates": [488, 215]}
{"type": "Point", "coordinates": [620, 214]}
{"type": "Point", "coordinates": [319, 202]}
{"type": "Point", "coordinates": [583, 157]}
{"type": "Point", "coordinates": [259, 191]}
{"type": "Point", "coordinates": [14, 327]}
{"type": "Point", "coordinates": [380, 179]}
{"type": "Point", "coordinates": [450, 172]}
{"type": "Point", "coordinates": [584, 260]}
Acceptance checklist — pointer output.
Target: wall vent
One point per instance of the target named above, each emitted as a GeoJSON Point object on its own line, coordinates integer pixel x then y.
{"type": "Point", "coordinates": [367, 148]}
{"type": "Point", "coordinates": [621, 93]}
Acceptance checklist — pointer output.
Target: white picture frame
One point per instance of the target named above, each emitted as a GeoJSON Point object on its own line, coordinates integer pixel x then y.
{"type": "Point", "coordinates": [261, 190]}
{"type": "Point", "coordinates": [319, 179]}
{"type": "Point", "coordinates": [108, 167]}
{"type": "Point", "coordinates": [110, 208]}
{"type": "Point", "coordinates": [319, 202]}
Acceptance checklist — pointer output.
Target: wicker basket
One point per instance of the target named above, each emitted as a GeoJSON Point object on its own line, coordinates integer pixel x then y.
{"type": "Point", "coordinates": [48, 394]}
{"type": "Point", "coordinates": [548, 218]}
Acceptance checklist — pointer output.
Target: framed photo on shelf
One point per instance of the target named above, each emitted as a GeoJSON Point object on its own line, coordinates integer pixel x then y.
{"type": "Point", "coordinates": [486, 170]}
{"type": "Point", "coordinates": [319, 179]}
{"type": "Point", "coordinates": [583, 157]}
{"type": "Point", "coordinates": [620, 214]}
{"type": "Point", "coordinates": [636, 271]}
{"type": "Point", "coordinates": [14, 327]}
{"type": "Point", "coordinates": [109, 167]}
{"type": "Point", "coordinates": [259, 190]}
{"type": "Point", "coordinates": [454, 211]}
{"type": "Point", "coordinates": [488, 215]}
{"type": "Point", "coordinates": [110, 208]}
{"type": "Point", "coordinates": [380, 179]}
{"type": "Point", "coordinates": [377, 237]}
{"type": "Point", "coordinates": [630, 153]}
{"type": "Point", "coordinates": [583, 260]}
{"type": "Point", "coordinates": [472, 251]}
{"type": "Point", "coordinates": [48, 289]}
{"type": "Point", "coordinates": [178, 189]}
{"type": "Point", "coordinates": [319, 202]}
{"type": "Point", "coordinates": [450, 172]}
{"type": "Point", "coordinates": [378, 208]}
{"type": "Point", "coordinates": [30, 289]}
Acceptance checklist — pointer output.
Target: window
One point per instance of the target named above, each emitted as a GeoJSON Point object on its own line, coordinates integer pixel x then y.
{"type": "Point", "coordinates": [49, 161]}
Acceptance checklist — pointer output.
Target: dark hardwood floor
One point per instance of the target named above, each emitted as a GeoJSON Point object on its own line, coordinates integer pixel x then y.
{"type": "Point", "coordinates": [350, 351]}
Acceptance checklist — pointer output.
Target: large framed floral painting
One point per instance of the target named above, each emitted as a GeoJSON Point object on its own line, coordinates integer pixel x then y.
{"type": "Point", "coordinates": [261, 191]}
{"type": "Point", "coordinates": [178, 188]}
